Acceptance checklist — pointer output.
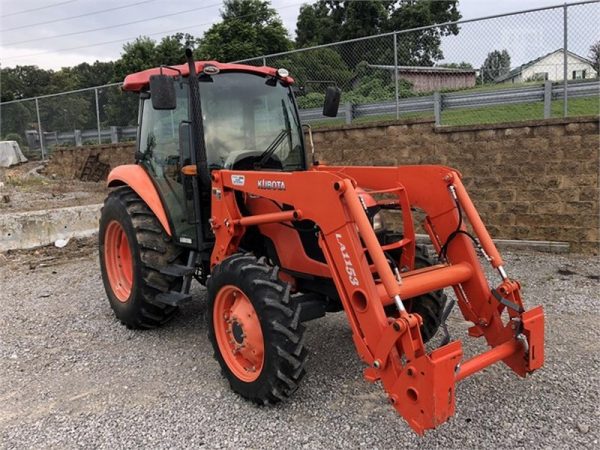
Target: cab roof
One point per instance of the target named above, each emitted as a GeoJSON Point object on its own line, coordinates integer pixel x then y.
{"type": "Point", "coordinates": [140, 80]}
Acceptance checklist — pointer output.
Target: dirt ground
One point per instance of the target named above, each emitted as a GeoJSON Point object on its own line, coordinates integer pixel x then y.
{"type": "Point", "coordinates": [23, 188]}
{"type": "Point", "coordinates": [71, 376]}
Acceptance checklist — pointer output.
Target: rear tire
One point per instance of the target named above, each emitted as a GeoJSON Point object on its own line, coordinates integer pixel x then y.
{"type": "Point", "coordinates": [270, 325]}
{"type": "Point", "coordinates": [133, 248]}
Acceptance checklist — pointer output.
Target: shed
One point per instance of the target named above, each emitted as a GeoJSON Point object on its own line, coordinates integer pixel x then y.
{"type": "Point", "coordinates": [430, 79]}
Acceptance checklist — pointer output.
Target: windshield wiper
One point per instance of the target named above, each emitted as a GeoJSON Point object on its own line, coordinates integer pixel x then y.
{"type": "Point", "coordinates": [264, 157]}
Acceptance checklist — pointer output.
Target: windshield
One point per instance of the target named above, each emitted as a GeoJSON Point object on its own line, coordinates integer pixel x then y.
{"type": "Point", "coordinates": [246, 117]}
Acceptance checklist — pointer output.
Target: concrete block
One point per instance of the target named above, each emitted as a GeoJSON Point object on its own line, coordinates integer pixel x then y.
{"type": "Point", "coordinates": [32, 229]}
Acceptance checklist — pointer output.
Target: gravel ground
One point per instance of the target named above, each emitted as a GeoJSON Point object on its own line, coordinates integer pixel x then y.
{"type": "Point", "coordinates": [71, 376]}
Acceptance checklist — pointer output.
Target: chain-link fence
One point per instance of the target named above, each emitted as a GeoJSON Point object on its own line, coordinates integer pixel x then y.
{"type": "Point", "coordinates": [503, 68]}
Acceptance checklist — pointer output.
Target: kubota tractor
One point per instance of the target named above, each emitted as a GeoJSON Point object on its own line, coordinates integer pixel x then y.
{"type": "Point", "coordinates": [223, 191]}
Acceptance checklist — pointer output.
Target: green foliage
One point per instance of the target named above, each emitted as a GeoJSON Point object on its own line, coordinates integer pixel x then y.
{"type": "Point", "coordinates": [145, 53]}
{"type": "Point", "coordinates": [460, 65]}
{"type": "Point", "coordinates": [422, 48]}
{"type": "Point", "coordinates": [24, 82]}
{"type": "Point", "coordinates": [327, 21]}
{"type": "Point", "coordinates": [369, 86]}
{"type": "Point", "coordinates": [495, 65]}
{"type": "Point", "coordinates": [249, 28]}
{"type": "Point", "coordinates": [95, 74]}
{"type": "Point", "coordinates": [311, 100]}
{"type": "Point", "coordinates": [316, 69]}
{"type": "Point", "coordinates": [14, 137]}
{"type": "Point", "coordinates": [17, 117]}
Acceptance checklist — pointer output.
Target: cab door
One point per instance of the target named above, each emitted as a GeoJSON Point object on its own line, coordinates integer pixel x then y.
{"type": "Point", "coordinates": [160, 154]}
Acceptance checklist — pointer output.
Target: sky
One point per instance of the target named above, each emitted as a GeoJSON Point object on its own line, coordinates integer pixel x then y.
{"type": "Point", "coordinates": [29, 29]}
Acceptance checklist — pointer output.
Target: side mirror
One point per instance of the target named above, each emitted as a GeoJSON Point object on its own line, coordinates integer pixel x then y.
{"type": "Point", "coordinates": [332, 101]}
{"type": "Point", "coordinates": [162, 92]}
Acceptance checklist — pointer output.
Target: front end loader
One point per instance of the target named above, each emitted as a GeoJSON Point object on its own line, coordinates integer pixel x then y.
{"type": "Point", "coordinates": [224, 192]}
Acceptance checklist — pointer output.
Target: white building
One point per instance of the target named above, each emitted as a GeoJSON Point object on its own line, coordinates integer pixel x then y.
{"type": "Point", "coordinates": [550, 67]}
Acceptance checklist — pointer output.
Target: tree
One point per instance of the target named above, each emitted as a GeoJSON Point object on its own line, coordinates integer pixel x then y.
{"type": "Point", "coordinates": [327, 21]}
{"type": "Point", "coordinates": [95, 74]}
{"type": "Point", "coordinates": [137, 55]}
{"type": "Point", "coordinates": [119, 108]}
{"type": "Point", "coordinates": [495, 65]}
{"type": "Point", "coordinates": [594, 56]}
{"type": "Point", "coordinates": [24, 82]}
{"type": "Point", "coordinates": [423, 48]}
{"type": "Point", "coordinates": [460, 65]}
{"type": "Point", "coordinates": [171, 49]}
{"type": "Point", "coordinates": [316, 69]}
{"type": "Point", "coordinates": [249, 28]}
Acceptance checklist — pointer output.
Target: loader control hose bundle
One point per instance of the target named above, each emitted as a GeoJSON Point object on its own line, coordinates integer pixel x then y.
{"type": "Point", "coordinates": [459, 230]}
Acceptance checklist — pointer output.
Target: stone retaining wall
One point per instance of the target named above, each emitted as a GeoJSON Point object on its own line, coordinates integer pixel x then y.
{"type": "Point", "coordinates": [535, 180]}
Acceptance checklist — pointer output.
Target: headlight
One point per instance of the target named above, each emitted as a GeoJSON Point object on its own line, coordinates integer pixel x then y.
{"type": "Point", "coordinates": [378, 223]}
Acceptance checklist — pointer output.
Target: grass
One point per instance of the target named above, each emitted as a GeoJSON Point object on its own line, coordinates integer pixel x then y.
{"type": "Point", "coordinates": [334, 123]}
{"type": "Point", "coordinates": [25, 182]}
{"type": "Point", "coordinates": [587, 106]}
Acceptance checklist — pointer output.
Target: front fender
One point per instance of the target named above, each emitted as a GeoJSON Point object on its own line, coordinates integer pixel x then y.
{"type": "Point", "coordinates": [138, 179]}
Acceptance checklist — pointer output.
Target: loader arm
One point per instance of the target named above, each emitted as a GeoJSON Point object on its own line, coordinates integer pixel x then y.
{"type": "Point", "coordinates": [420, 385]}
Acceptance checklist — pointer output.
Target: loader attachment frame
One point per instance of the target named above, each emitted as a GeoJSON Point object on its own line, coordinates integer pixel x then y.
{"type": "Point", "coordinates": [420, 385]}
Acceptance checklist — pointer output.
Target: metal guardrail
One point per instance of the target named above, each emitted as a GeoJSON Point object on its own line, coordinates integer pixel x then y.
{"type": "Point", "coordinates": [112, 135]}
{"type": "Point", "coordinates": [436, 103]}
{"type": "Point", "coordinates": [463, 100]}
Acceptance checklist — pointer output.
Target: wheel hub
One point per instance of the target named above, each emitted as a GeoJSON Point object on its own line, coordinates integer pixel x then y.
{"type": "Point", "coordinates": [118, 261]}
{"type": "Point", "coordinates": [238, 333]}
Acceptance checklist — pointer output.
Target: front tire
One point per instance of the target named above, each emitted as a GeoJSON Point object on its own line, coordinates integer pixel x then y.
{"type": "Point", "coordinates": [429, 306]}
{"type": "Point", "coordinates": [133, 248]}
{"type": "Point", "coordinates": [255, 329]}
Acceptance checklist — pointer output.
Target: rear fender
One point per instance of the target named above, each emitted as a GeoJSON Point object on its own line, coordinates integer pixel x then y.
{"type": "Point", "coordinates": [137, 179]}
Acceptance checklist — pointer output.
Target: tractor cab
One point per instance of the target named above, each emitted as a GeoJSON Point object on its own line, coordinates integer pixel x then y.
{"type": "Point", "coordinates": [247, 119]}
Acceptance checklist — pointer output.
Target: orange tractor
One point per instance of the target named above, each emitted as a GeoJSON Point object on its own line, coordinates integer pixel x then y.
{"type": "Point", "coordinates": [223, 191]}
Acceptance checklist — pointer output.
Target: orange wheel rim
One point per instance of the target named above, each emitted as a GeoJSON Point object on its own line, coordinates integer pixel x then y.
{"type": "Point", "coordinates": [118, 261]}
{"type": "Point", "coordinates": [238, 333]}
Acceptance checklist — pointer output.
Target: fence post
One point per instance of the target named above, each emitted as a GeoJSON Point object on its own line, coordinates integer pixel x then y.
{"type": "Point", "coordinates": [437, 108]}
{"type": "Point", "coordinates": [78, 139]}
{"type": "Point", "coordinates": [547, 99]}
{"type": "Point", "coordinates": [98, 115]}
{"type": "Point", "coordinates": [264, 61]}
{"type": "Point", "coordinates": [348, 111]}
{"type": "Point", "coordinates": [565, 68]}
{"type": "Point", "coordinates": [396, 75]}
{"type": "Point", "coordinates": [114, 135]}
{"type": "Point", "coordinates": [40, 132]}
